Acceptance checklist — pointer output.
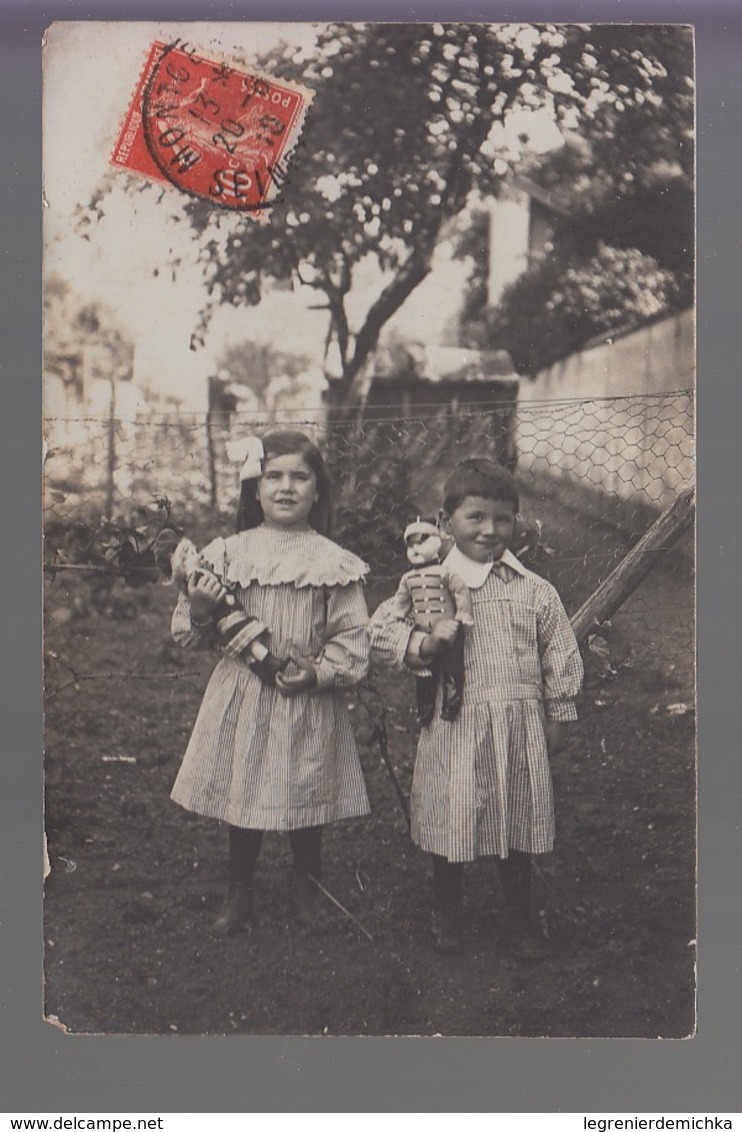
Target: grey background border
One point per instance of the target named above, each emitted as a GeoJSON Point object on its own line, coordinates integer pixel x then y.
{"type": "Point", "coordinates": [41, 1069]}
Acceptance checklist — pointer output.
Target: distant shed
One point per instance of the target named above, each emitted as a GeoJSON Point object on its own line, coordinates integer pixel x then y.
{"type": "Point", "coordinates": [411, 380]}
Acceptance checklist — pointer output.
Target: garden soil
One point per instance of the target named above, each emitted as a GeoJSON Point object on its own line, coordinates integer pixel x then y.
{"type": "Point", "coordinates": [135, 882]}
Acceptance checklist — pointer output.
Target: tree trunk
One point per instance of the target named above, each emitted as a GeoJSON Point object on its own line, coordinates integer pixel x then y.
{"type": "Point", "coordinates": [347, 395]}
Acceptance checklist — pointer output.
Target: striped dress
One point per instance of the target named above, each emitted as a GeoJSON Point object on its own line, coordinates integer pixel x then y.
{"type": "Point", "coordinates": [258, 759]}
{"type": "Point", "coordinates": [482, 783]}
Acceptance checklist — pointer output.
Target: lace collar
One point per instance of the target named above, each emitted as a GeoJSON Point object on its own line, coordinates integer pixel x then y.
{"type": "Point", "coordinates": [272, 557]}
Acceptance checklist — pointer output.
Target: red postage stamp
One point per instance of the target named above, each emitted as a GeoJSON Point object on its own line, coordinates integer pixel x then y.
{"type": "Point", "coordinates": [211, 130]}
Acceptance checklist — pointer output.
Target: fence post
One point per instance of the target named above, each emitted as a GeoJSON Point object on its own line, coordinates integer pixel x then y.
{"type": "Point", "coordinates": [211, 457]}
{"type": "Point", "coordinates": [641, 559]}
{"type": "Point", "coordinates": [111, 456]}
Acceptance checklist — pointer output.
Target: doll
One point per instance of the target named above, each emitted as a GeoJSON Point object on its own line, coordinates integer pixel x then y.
{"type": "Point", "coordinates": [238, 635]}
{"type": "Point", "coordinates": [428, 593]}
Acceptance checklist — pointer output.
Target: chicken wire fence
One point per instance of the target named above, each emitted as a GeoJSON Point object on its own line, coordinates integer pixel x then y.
{"type": "Point", "coordinates": [594, 474]}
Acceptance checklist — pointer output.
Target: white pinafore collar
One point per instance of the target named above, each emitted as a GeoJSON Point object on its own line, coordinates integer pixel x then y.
{"type": "Point", "coordinates": [475, 574]}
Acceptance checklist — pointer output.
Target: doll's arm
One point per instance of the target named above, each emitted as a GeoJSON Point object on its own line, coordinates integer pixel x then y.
{"type": "Point", "coordinates": [561, 664]}
{"type": "Point", "coordinates": [217, 625]}
{"type": "Point", "coordinates": [212, 617]}
{"type": "Point", "coordinates": [462, 598]}
{"type": "Point", "coordinates": [396, 642]}
{"type": "Point", "coordinates": [344, 658]}
{"type": "Point", "coordinates": [400, 606]}
{"type": "Point", "coordinates": [201, 635]}
{"type": "Point", "coordinates": [194, 623]}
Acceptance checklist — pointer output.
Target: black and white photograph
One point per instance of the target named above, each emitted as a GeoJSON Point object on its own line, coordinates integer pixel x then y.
{"type": "Point", "coordinates": [369, 374]}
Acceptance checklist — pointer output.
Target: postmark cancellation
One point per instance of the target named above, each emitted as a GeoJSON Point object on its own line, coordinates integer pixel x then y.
{"type": "Point", "coordinates": [211, 130]}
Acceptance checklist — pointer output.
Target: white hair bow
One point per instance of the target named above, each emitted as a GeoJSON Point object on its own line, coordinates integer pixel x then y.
{"type": "Point", "coordinates": [250, 453]}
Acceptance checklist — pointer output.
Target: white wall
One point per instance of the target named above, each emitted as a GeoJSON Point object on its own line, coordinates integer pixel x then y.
{"type": "Point", "coordinates": [510, 219]}
{"type": "Point", "coordinates": [617, 418]}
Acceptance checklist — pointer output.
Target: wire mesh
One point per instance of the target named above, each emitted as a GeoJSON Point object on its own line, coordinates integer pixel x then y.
{"type": "Point", "coordinates": [593, 475]}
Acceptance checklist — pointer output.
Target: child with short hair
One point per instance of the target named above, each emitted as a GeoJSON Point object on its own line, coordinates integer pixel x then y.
{"type": "Point", "coordinates": [482, 784]}
{"type": "Point", "coordinates": [275, 750]}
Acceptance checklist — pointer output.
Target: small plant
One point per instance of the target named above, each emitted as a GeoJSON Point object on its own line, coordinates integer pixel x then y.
{"type": "Point", "coordinates": [129, 550]}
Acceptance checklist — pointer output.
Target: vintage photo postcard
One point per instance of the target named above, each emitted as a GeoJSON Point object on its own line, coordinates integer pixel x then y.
{"type": "Point", "coordinates": [369, 375]}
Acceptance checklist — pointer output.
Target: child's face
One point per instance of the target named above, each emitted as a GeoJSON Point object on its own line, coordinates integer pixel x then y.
{"type": "Point", "coordinates": [286, 491]}
{"type": "Point", "coordinates": [481, 528]}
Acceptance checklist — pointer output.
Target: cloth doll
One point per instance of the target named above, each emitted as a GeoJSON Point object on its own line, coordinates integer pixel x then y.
{"type": "Point", "coordinates": [237, 634]}
{"type": "Point", "coordinates": [426, 594]}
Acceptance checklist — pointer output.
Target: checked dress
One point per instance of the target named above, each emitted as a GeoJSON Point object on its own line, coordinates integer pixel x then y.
{"type": "Point", "coordinates": [482, 784]}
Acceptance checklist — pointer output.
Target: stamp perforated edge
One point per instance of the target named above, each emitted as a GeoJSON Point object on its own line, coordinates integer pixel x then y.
{"type": "Point", "coordinates": [294, 133]}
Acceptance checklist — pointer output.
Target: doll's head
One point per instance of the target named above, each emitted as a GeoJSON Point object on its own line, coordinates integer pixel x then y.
{"type": "Point", "coordinates": [185, 562]}
{"type": "Point", "coordinates": [423, 542]}
{"type": "Point", "coordinates": [287, 442]}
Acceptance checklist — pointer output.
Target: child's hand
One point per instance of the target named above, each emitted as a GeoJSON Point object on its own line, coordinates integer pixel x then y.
{"type": "Point", "coordinates": [204, 594]}
{"type": "Point", "coordinates": [556, 737]}
{"type": "Point", "coordinates": [304, 681]}
{"type": "Point", "coordinates": [443, 634]}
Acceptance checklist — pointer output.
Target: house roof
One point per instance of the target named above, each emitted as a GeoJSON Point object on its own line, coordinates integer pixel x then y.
{"type": "Point", "coordinates": [416, 361]}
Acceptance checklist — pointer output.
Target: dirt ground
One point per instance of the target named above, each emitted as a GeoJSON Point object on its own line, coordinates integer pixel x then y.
{"type": "Point", "coordinates": [135, 881]}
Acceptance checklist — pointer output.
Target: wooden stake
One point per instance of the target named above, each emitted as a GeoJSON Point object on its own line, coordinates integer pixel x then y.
{"type": "Point", "coordinates": [641, 559]}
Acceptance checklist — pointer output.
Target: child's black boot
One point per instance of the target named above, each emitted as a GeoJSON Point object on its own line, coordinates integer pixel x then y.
{"type": "Point", "coordinates": [306, 848]}
{"type": "Point", "coordinates": [526, 940]}
{"type": "Point", "coordinates": [446, 922]}
{"type": "Point", "coordinates": [237, 911]}
{"type": "Point", "coordinates": [244, 846]}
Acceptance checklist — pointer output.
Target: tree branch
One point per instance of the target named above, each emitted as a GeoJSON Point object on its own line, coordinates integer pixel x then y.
{"type": "Point", "coordinates": [417, 267]}
{"type": "Point", "coordinates": [409, 276]}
